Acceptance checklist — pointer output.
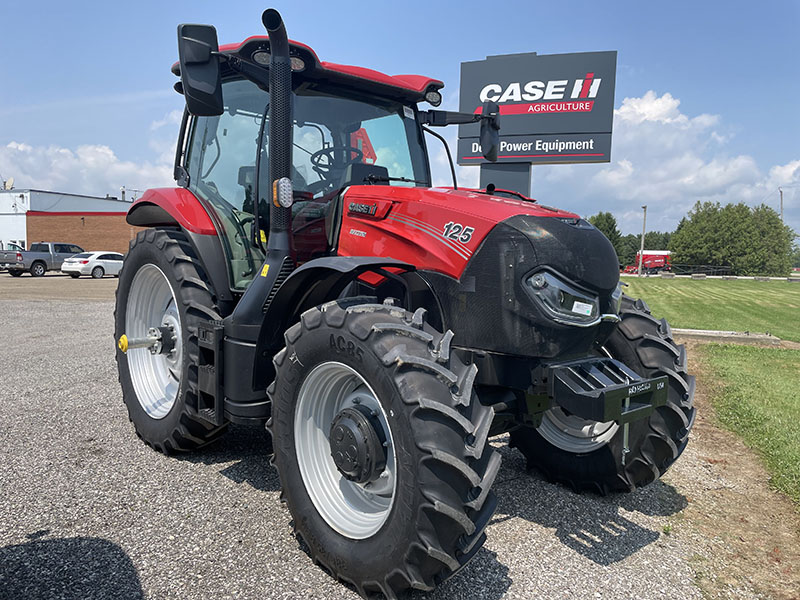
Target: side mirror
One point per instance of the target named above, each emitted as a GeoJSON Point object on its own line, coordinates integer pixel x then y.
{"type": "Point", "coordinates": [490, 128]}
{"type": "Point", "coordinates": [200, 73]}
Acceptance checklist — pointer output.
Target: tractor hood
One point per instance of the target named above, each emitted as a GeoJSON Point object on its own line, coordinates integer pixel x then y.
{"type": "Point", "coordinates": [441, 229]}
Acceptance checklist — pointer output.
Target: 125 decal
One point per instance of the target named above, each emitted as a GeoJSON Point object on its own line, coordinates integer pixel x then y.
{"type": "Point", "coordinates": [456, 231]}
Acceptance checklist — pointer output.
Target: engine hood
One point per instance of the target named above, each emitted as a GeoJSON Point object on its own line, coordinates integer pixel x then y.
{"type": "Point", "coordinates": [438, 229]}
{"type": "Point", "coordinates": [464, 201]}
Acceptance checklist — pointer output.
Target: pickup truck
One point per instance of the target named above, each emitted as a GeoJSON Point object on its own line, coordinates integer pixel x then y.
{"type": "Point", "coordinates": [9, 246]}
{"type": "Point", "coordinates": [42, 257]}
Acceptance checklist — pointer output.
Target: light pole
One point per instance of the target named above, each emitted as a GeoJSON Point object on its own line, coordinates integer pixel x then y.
{"type": "Point", "coordinates": [641, 248]}
{"type": "Point", "coordinates": [781, 192]}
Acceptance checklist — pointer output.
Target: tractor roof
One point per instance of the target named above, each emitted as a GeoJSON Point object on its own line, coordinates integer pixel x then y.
{"type": "Point", "coordinates": [410, 88]}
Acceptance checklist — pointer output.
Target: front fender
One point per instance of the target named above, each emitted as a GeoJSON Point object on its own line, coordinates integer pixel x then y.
{"type": "Point", "coordinates": [312, 284]}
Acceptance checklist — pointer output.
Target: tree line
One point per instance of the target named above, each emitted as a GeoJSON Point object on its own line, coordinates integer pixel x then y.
{"type": "Point", "coordinates": [749, 240]}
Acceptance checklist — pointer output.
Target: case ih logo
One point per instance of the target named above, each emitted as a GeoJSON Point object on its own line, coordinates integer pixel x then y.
{"type": "Point", "coordinates": [543, 90]}
{"type": "Point", "coordinates": [362, 209]}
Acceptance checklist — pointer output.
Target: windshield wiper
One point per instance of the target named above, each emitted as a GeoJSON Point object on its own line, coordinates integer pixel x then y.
{"type": "Point", "coordinates": [372, 178]}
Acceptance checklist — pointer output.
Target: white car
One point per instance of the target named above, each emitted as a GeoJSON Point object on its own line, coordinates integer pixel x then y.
{"type": "Point", "coordinates": [96, 264]}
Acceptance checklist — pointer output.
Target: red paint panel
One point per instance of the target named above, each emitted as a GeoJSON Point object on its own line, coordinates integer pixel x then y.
{"type": "Point", "coordinates": [415, 229]}
{"type": "Point", "coordinates": [416, 83]}
{"type": "Point", "coordinates": [182, 206]}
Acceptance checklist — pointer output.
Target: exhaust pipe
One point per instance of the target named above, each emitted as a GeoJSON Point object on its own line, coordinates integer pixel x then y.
{"type": "Point", "coordinates": [245, 321]}
{"type": "Point", "coordinates": [280, 126]}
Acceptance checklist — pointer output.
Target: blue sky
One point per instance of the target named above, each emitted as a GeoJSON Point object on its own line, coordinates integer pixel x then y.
{"type": "Point", "coordinates": [86, 102]}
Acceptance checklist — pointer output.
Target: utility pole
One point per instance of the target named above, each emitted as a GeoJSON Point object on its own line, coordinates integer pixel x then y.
{"type": "Point", "coordinates": [781, 191]}
{"type": "Point", "coordinates": [641, 249]}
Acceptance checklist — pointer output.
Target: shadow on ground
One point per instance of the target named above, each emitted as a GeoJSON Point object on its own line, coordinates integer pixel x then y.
{"type": "Point", "coordinates": [78, 568]}
{"type": "Point", "coordinates": [250, 447]}
{"type": "Point", "coordinates": [591, 525]}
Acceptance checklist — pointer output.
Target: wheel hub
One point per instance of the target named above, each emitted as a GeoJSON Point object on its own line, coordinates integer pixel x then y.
{"type": "Point", "coordinates": [357, 444]}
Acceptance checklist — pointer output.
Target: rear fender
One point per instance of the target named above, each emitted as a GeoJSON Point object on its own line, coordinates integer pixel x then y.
{"type": "Point", "coordinates": [171, 206]}
{"type": "Point", "coordinates": [178, 207]}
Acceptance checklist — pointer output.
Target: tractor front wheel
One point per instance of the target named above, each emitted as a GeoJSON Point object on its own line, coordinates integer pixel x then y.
{"type": "Point", "coordinates": [381, 446]}
{"type": "Point", "coordinates": [589, 455]}
{"type": "Point", "coordinates": [163, 288]}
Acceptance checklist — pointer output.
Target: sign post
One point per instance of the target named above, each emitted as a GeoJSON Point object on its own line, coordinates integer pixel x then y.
{"type": "Point", "coordinates": [554, 109]}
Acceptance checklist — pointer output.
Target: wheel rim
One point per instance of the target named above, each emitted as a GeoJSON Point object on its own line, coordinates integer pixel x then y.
{"type": "Point", "coordinates": [38, 269]}
{"type": "Point", "coordinates": [355, 510]}
{"type": "Point", "coordinates": [156, 377]}
{"type": "Point", "coordinates": [575, 434]}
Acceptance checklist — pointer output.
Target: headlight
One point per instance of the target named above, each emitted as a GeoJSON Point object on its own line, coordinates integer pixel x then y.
{"type": "Point", "coordinates": [565, 303]}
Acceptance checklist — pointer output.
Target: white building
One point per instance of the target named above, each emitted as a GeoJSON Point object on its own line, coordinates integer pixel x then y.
{"type": "Point", "coordinates": [93, 222]}
{"type": "Point", "coordinates": [14, 205]}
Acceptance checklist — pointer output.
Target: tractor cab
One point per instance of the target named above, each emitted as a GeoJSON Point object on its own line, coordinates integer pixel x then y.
{"type": "Point", "coordinates": [338, 141]}
{"type": "Point", "coordinates": [350, 126]}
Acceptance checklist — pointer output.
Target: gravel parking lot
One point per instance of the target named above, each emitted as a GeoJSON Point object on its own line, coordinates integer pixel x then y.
{"type": "Point", "coordinates": [88, 511]}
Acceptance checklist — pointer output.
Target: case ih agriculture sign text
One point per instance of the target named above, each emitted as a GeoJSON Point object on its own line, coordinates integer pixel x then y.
{"type": "Point", "coordinates": [556, 108]}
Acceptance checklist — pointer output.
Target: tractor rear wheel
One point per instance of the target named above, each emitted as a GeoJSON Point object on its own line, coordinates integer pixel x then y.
{"type": "Point", "coordinates": [163, 285]}
{"type": "Point", "coordinates": [588, 455]}
{"type": "Point", "coordinates": [381, 446]}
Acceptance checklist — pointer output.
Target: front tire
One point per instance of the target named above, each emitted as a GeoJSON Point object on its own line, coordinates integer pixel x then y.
{"type": "Point", "coordinates": [586, 455]}
{"type": "Point", "coordinates": [98, 272]}
{"type": "Point", "coordinates": [163, 284]}
{"type": "Point", "coordinates": [419, 516]}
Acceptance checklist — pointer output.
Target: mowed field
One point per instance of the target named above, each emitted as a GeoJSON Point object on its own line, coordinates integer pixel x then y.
{"type": "Point", "coordinates": [732, 305]}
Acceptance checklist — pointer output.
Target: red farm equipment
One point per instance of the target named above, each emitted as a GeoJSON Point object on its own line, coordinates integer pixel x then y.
{"type": "Point", "coordinates": [652, 261]}
{"type": "Point", "coordinates": [304, 274]}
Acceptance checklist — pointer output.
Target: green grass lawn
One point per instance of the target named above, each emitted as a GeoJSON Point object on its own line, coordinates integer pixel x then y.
{"type": "Point", "coordinates": [737, 305]}
{"type": "Point", "coordinates": [759, 399]}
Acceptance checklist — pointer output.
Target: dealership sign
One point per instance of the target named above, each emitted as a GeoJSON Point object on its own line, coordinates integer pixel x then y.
{"type": "Point", "coordinates": [555, 108]}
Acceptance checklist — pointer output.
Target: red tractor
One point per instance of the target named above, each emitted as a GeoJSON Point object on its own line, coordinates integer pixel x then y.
{"type": "Point", "coordinates": [304, 274]}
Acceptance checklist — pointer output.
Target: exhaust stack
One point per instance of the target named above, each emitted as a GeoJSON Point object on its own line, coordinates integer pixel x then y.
{"type": "Point", "coordinates": [247, 317]}
{"type": "Point", "coordinates": [280, 126]}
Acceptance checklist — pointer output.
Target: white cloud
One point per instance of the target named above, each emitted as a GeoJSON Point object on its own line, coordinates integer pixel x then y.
{"type": "Point", "coordinates": [93, 169]}
{"type": "Point", "coordinates": [172, 118]}
{"type": "Point", "coordinates": [665, 159]}
{"type": "Point", "coordinates": [88, 169]}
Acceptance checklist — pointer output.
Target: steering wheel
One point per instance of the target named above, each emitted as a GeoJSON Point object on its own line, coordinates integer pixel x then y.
{"type": "Point", "coordinates": [325, 160]}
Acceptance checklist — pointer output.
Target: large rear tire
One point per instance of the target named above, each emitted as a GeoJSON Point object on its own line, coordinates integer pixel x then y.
{"type": "Point", "coordinates": [418, 516]}
{"type": "Point", "coordinates": [586, 455]}
{"type": "Point", "coordinates": [163, 284]}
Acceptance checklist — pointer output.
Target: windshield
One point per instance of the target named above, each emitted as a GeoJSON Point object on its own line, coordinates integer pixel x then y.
{"type": "Point", "coordinates": [332, 133]}
{"type": "Point", "coordinates": [338, 142]}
